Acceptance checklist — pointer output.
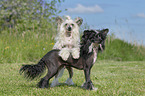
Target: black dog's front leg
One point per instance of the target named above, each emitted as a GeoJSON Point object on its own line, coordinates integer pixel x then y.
{"type": "Point", "coordinates": [88, 84]}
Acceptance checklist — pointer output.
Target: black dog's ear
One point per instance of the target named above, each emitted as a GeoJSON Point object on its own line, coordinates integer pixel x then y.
{"type": "Point", "coordinates": [79, 21]}
{"type": "Point", "coordinates": [84, 35]}
{"type": "Point", "coordinates": [59, 20]}
{"type": "Point", "coordinates": [105, 31]}
{"type": "Point", "coordinates": [86, 32]}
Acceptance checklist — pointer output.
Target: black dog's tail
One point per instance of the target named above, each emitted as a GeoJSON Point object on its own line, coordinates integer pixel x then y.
{"type": "Point", "coordinates": [33, 71]}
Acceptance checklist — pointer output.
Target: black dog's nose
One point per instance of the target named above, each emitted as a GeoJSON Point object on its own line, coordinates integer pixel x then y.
{"type": "Point", "coordinates": [69, 28]}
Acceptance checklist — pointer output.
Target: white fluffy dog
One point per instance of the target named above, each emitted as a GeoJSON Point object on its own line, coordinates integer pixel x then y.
{"type": "Point", "coordinates": [68, 37]}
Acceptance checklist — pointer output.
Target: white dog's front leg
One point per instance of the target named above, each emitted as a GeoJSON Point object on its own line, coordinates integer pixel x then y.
{"type": "Point", "coordinates": [69, 81]}
{"type": "Point", "coordinates": [64, 53]}
{"type": "Point", "coordinates": [75, 53]}
{"type": "Point", "coordinates": [55, 82]}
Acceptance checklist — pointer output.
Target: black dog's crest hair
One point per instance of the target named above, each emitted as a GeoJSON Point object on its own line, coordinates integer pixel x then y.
{"type": "Point", "coordinates": [90, 36]}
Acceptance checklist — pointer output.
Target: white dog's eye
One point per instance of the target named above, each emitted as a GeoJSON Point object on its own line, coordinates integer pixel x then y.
{"type": "Point", "coordinates": [66, 24]}
{"type": "Point", "coordinates": [72, 24]}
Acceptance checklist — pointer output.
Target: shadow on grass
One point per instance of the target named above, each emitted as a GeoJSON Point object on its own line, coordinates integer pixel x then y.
{"type": "Point", "coordinates": [64, 84]}
{"type": "Point", "coordinates": [75, 86]}
{"type": "Point", "coordinates": [61, 85]}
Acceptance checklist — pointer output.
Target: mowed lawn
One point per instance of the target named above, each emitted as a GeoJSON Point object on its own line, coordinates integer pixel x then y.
{"type": "Point", "coordinates": [112, 78]}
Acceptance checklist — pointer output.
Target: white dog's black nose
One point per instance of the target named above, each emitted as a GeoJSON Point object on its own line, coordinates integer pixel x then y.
{"type": "Point", "coordinates": [69, 28]}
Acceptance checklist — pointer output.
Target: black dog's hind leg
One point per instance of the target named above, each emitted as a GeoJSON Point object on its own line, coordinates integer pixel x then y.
{"type": "Point", "coordinates": [52, 71]}
{"type": "Point", "coordinates": [44, 82]}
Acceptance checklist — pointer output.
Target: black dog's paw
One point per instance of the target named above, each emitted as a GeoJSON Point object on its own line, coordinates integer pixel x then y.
{"type": "Point", "coordinates": [89, 86]}
{"type": "Point", "coordinates": [43, 83]}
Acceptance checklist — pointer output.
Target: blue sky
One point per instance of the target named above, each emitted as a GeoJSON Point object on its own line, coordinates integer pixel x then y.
{"type": "Point", "coordinates": [124, 18]}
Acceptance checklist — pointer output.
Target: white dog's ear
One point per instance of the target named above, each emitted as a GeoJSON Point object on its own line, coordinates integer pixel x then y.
{"type": "Point", "coordinates": [59, 20]}
{"type": "Point", "coordinates": [79, 21]}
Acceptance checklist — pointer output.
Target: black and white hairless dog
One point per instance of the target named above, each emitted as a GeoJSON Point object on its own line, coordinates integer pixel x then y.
{"type": "Point", "coordinates": [90, 43]}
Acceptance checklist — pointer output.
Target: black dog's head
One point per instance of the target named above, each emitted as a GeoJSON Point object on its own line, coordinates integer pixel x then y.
{"type": "Point", "coordinates": [95, 36]}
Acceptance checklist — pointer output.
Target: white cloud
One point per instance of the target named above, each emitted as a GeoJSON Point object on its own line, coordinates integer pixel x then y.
{"type": "Point", "coordinates": [142, 15]}
{"type": "Point", "coordinates": [83, 9]}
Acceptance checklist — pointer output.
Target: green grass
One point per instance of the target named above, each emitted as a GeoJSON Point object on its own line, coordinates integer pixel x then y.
{"type": "Point", "coordinates": [112, 78]}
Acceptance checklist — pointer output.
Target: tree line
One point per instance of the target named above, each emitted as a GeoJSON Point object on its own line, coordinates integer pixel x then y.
{"type": "Point", "coordinates": [24, 13]}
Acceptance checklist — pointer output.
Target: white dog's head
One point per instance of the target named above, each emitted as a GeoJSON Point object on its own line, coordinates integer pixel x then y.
{"type": "Point", "coordinates": [68, 27]}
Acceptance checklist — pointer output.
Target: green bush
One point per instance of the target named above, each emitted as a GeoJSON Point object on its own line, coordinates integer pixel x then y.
{"type": "Point", "coordinates": [120, 50]}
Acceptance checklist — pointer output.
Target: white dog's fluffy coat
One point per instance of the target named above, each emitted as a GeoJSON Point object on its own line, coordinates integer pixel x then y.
{"type": "Point", "coordinates": [68, 37]}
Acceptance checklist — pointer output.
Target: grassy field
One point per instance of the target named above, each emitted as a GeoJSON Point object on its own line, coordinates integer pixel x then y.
{"type": "Point", "coordinates": [119, 70]}
{"type": "Point", "coordinates": [112, 78]}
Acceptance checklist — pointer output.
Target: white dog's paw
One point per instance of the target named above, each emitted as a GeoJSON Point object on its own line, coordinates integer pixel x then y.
{"type": "Point", "coordinates": [54, 83]}
{"type": "Point", "coordinates": [64, 53]}
{"type": "Point", "coordinates": [76, 53]}
{"type": "Point", "coordinates": [69, 81]}
{"type": "Point", "coordinates": [94, 89]}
